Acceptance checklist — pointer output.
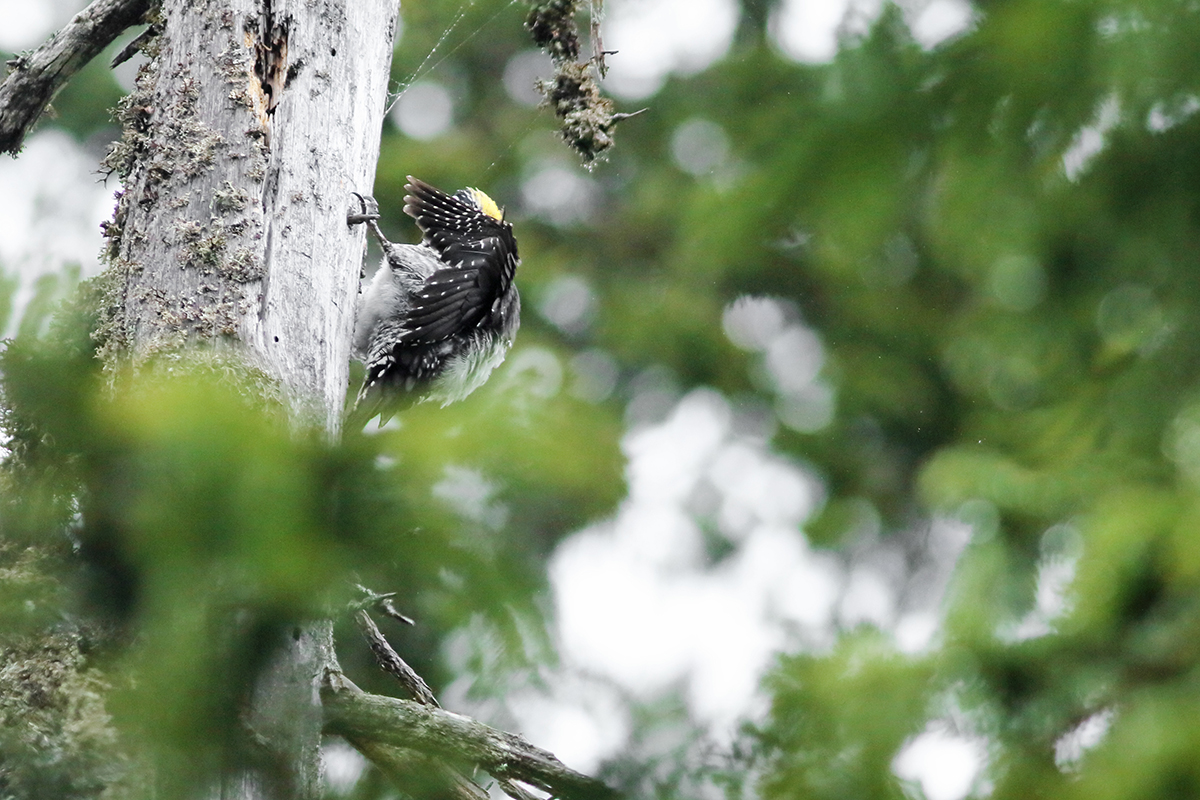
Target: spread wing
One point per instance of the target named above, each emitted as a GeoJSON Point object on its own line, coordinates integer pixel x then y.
{"type": "Point", "coordinates": [481, 257]}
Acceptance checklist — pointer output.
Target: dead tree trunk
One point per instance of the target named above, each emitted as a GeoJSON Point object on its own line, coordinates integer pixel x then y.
{"type": "Point", "coordinates": [248, 129]}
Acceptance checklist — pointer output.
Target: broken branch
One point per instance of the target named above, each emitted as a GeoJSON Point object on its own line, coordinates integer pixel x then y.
{"type": "Point", "coordinates": [391, 662]}
{"type": "Point", "coordinates": [37, 76]}
{"type": "Point", "coordinates": [361, 717]}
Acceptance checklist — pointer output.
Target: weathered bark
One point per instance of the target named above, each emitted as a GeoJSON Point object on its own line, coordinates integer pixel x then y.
{"type": "Point", "coordinates": [368, 718]}
{"type": "Point", "coordinates": [391, 662]}
{"type": "Point", "coordinates": [250, 125]}
{"type": "Point", "coordinates": [244, 138]}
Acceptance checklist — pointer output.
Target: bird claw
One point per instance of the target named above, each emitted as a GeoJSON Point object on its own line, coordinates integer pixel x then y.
{"type": "Point", "coordinates": [369, 213]}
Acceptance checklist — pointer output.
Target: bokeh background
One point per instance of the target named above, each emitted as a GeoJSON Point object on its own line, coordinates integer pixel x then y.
{"type": "Point", "coordinates": [849, 448]}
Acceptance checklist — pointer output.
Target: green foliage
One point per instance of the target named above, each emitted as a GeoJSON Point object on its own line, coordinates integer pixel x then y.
{"type": "Point", "coordinates": [178, 524]}
{"type": "Point", "coordinates": [56, 740]}
{"type": "Point", "coordinates": [837, 721]}
{"type": "Point", "coordinates": [1032, 370]}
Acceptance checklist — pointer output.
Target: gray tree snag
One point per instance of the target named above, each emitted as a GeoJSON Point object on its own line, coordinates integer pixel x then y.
{"type": "Point", "coordinates": [248, 129]}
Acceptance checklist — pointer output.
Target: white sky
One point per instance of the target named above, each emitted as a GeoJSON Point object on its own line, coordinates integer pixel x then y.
{"type": "Point", "coordinates": [25, 23]}
{"type": "Point", "coordinates": [657, 38]}
{"type": "Point", "coordinates": [52, 202]}
{"type": "Point", "coordinates": [945, 764]}
{"type": "Point", "coordinates": [639, 606]}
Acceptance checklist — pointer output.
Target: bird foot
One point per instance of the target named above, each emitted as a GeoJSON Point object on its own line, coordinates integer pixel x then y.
{"type": "Point", "coordinates": [369, 213]}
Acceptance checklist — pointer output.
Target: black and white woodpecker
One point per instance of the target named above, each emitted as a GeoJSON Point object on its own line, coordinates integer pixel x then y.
{"type": "Point", "coordinates": [440, 315]}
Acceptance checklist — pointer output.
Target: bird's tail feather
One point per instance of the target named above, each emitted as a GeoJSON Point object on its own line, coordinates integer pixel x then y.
{"type": "Point", "coordinates": [369, 404]}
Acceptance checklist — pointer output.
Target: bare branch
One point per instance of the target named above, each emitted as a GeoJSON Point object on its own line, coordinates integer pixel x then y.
{"type": "Point", "coordinates": [361, 717]}
{"type": "Point", "coordinates": [37, 76]}
{"type": "Point", "coordinates": [391, 662]}
{"type": "Point", "coordinates": [620, 116]}
{"type": "Point", "coordinates": [139, 43]}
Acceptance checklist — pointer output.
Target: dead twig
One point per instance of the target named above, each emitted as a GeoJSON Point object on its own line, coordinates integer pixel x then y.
{"type": "Point", "coordinates": [391, 662]}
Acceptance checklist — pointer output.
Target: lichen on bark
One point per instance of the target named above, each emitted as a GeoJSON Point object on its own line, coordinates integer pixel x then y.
{"type": "Point", "coordinates": [189, 153]}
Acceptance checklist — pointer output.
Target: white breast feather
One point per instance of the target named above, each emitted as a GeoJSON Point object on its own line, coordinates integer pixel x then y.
{"type": "Point", "coordinates": [467, 371]}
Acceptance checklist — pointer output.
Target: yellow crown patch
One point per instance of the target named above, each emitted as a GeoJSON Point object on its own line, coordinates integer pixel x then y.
{"type": "Point", "coordinates": [486, 204]}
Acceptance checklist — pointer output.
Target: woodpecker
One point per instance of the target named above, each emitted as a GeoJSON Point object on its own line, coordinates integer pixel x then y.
{"type": "Point", "coordinates": [440, 315]}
